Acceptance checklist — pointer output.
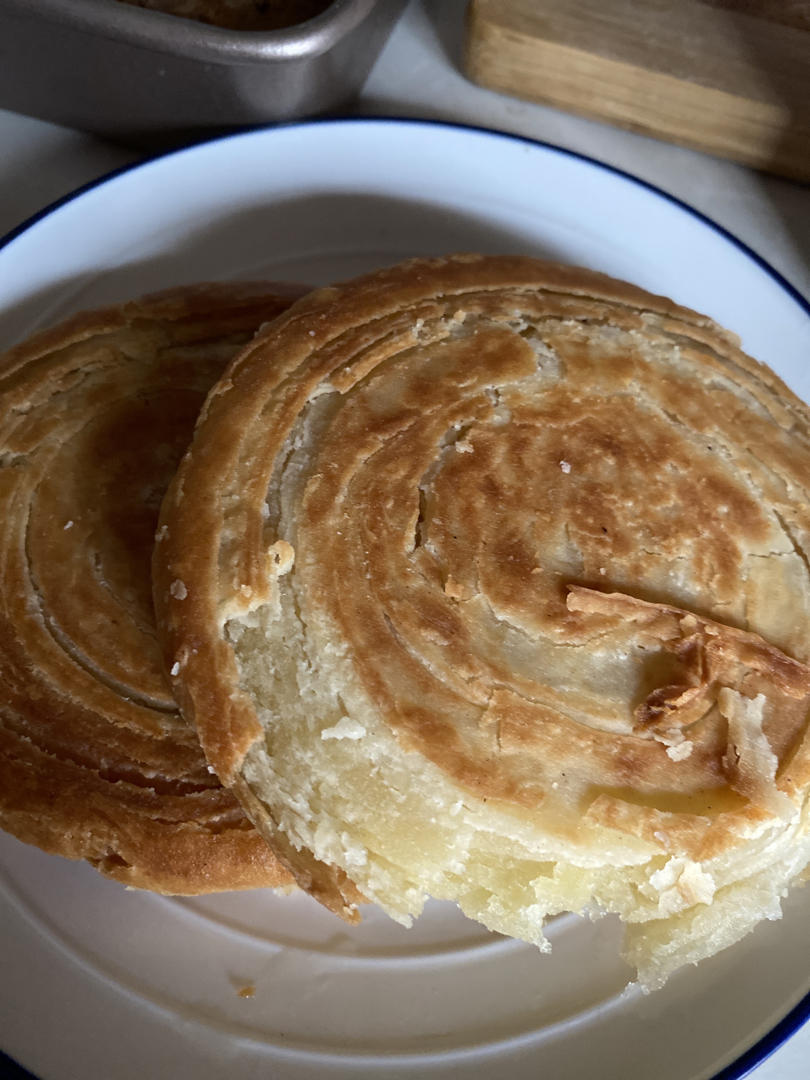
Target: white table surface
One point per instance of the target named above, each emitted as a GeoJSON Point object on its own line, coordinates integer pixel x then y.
{"type": "Point", "coordinates": [418, 75]}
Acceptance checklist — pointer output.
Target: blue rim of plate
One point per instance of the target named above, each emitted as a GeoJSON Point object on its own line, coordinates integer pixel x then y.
{"type": "Point", "coordinates": [797, 1016]}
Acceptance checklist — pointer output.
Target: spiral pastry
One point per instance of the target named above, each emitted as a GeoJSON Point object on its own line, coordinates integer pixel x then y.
{"type": "Point", "coordinates": [95, 760]}
{"type": "Point", "coordinates": [487, 579]}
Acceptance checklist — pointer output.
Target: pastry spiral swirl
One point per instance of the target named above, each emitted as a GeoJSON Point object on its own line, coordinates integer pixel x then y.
{"type": "Point", "coordinates": [495, 588]}
{"type": "Point", "coordinates": [95, 760]}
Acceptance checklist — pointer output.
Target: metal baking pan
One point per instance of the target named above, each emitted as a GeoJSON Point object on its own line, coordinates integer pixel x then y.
{"type": "Point", "coordinates": [146, 78]}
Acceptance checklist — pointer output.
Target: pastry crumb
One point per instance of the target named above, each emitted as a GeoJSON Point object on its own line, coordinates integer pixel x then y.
{"type": "Point", "coordinates": [245, 988]}
{"type": "Point", "coordinates": [178, 590]}
{"type": "Point", "coordinates": [679, 752]}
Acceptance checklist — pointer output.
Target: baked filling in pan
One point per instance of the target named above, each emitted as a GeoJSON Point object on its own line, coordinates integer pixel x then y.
{"type": "Point", "coordinates": [239, 14]}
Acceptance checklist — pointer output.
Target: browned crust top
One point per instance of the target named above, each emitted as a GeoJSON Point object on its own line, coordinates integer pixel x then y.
{"type": "Point", "coordinates": [95, 760]}
{"type": "Point", "coordinates": [487, 441]}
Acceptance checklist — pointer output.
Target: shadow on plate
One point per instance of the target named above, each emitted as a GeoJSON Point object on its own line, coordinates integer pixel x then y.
{"type": "Point", "coordinates": [316, 239]}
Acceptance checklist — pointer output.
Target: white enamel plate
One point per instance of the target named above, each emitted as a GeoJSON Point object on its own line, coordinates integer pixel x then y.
{"type": "Point", "coordinates": [99, 982]}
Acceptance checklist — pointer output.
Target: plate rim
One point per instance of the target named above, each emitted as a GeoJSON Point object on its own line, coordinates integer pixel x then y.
{"type": "Point", "coordinates": [799, 1013]}
{"type": "Point", "coordinates": [416, 122]}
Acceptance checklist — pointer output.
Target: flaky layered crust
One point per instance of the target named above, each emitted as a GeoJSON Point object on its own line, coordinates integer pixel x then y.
{"type": "Point", "coordinates": [95, 760]}
{"type": "Point", "coordinates": [545, 530]}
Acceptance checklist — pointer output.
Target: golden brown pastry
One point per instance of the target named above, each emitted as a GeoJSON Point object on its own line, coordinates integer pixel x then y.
{"type": "Point", "coordinates": [487, 579]}
{"type": "Point", "coordinates": [95, 759]}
